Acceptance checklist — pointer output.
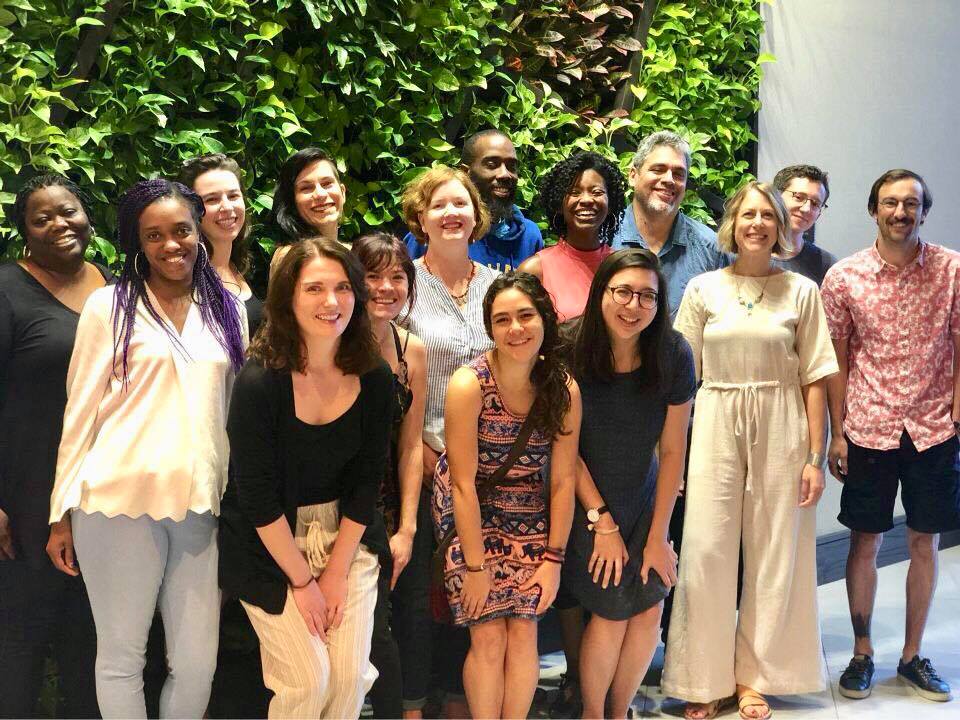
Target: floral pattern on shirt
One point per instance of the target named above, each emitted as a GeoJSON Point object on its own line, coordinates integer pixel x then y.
{"type": "Point", "coordinates": [900, 323]}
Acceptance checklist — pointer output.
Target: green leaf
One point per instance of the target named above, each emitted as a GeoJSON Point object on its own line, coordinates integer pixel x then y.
{"type": "Point", "coordinates": [89, 21]}
{"type": "Point", "coordinates": [766, 57]}
{"type": "Point", "coordinates": [270, 30]}
{"type": "Point", "coordinates": [192, 55]}
{"type": "Point", "coordinates": [445, 80]}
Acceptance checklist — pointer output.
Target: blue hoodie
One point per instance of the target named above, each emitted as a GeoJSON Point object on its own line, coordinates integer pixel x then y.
{"type": "Point", "coordinates": [503, 248]}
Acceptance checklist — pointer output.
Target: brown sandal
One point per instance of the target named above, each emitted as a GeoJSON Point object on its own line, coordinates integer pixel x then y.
{"type": "Point", "coordinates": [751, 698]}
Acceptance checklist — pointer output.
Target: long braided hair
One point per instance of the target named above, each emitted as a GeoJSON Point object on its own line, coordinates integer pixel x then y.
{"type": "Point", "coordinates": [218, 308]}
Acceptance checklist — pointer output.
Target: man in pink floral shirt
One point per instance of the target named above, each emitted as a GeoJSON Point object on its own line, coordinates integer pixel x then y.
{"type": "Point", "coordinates": [894, 316]}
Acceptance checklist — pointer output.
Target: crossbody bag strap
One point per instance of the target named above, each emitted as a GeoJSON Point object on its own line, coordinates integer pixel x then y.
{"type": "Point", "coordinates": [495, 478]}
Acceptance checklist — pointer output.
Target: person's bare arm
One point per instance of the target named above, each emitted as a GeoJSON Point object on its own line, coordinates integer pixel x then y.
{"type": "Point", "coordinates": [533, 266]}
{"type": "Point", "coordinates": [836, 401]}
{"type": "Point", "coordinates": [410, 460]}
{"type": "Point", "coordinates": [811, 478]}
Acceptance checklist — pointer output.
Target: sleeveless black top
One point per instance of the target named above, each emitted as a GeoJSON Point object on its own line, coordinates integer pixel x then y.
{"type": "Point", "coordinates": [389, 501]}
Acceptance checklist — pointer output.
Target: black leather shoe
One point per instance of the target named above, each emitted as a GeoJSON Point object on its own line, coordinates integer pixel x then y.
{"type": "Point", "coordinates": [920, 675]}
{"type": "Point", "coordinates": [856, 682]}
{"type": "Point", "coordinates": [567, 703]}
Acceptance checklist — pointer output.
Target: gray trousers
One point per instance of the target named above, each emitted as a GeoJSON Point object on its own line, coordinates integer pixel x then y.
{"type": "Point", "coordinates": [131, 568]}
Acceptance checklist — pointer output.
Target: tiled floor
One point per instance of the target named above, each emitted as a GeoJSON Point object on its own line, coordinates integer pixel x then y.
{"type": "Point", "coordinates": [890, 699]}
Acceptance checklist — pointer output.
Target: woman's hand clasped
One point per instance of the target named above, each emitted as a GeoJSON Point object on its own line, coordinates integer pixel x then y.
{"type": "Point", "coordinates": [473, 594]}
{"type": "Point", "coordinates": [547, 578]}
{"type": "Point", "coordinates": [60, 547]}
{"type": "Point", "coordinates": [333, 585]}
{"type": "Point", "coordinates": [608, 558]}
{"type": "Point", "coordinates": [811, 485]}
{"type": "Point", "coordinates": [659, 555]}
{"type": "Point", "coordinates": [313, 608]}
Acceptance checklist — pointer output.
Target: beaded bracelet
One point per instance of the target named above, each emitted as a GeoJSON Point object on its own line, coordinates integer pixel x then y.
{"type": "Point", "coordinates": [476, 568]}
{"type": "Point", "coordinates": [556, 550]}
{"type": "Point", "coordinates": [551, 558]}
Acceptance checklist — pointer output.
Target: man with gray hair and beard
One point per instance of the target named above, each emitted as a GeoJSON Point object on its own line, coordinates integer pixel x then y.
{"type": "Point", "coordinates": [685, 247]}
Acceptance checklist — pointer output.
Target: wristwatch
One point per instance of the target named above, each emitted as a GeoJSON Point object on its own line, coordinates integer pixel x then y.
{"type": "Point", "coordinates": [593, 514]}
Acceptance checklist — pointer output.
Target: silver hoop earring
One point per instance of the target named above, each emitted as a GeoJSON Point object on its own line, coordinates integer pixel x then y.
{"type": "Point", "coordinates": [206, 254]}
{"type": "Point", "coordinates": [136, 264]}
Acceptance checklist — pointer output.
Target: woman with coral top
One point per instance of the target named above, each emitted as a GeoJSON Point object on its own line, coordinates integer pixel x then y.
{"type": "Point", "coordinates": [583, 198]}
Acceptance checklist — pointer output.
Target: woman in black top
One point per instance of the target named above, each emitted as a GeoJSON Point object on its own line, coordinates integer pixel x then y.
{"type": "Point", "coordinates": [217, 179]}
{"type": "Point", "coordinates": [309, 430]}
{"type": "Point", "coordinates": [637, 381]}
{"type": "Point", "coordinates": [40, 301]}
{"type": "Point", "coordinates": [402, 626]}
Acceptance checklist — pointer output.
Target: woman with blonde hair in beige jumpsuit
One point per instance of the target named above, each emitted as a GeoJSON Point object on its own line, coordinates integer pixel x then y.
{"type": "Point", "coordinates": [761, 347]}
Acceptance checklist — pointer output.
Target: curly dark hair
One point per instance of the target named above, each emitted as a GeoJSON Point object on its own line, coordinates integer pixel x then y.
{"type": "Point", "coordinates": [39, 182]}
{"type": "Point", "coordinates": [557, 183]}
{"type": "Point", "coordinates": [279, 345]}
{"type": "Point", "coordinates": [592, 353]}
{"type": "Point", "coordinates": [193, 168]}
{"type": "Point", "coordinates": [549, 375]}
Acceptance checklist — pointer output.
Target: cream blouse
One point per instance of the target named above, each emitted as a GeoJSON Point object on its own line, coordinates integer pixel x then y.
{"type": "Point", "coordinates": [157, 447]}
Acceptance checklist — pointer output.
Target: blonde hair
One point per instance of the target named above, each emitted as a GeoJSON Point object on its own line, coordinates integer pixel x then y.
{"type": "Point", "coordinates": [417, 194]}
{"type": "Point", "coordinates": [726, 235]}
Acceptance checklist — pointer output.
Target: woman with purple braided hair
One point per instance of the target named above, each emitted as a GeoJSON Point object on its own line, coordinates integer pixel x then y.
{"type": "Point", "coordinates": [142, 462]}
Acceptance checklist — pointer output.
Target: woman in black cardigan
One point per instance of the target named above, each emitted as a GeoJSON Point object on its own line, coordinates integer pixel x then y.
{"type": "Point", "coordinates": [309, 426]}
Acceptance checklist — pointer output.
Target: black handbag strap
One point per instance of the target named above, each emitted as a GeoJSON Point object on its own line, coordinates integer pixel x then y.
{"type": "Point", "coordinates": [486, 487]}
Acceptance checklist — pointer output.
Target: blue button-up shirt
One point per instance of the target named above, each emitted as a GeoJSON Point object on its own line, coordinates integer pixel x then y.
{"type": "Point", "coordinates": [690, 249]}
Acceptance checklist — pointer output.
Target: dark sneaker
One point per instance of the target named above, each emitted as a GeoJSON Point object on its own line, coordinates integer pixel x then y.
{"type": "Point", "coordinates": [857, 680]}
{"type": "Point", "coordinates": [567, 703]}
{"type": "Point", "coordinates": [919, 674]}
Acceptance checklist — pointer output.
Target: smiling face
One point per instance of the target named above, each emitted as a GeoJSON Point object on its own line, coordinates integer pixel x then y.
{"type": "Point", "coordinates": [223, 200]}
{"type": "Point", "coordinates": [516, 326]}
{"type": "Point", "coordinates": [755, 229]}
{"type": "Point", "coordinates": [494, 171]}
{"type": "Point", "coordinates": [586, 205]}
{"type": "Point", "coordinates": [625, 322]}
{"type": "Point", "coordinates": [169, 239]}
{"type": "Point", "coordinates": [318, 195]}
{"type": "Point", "coordinates": [899, 213]}
{"type": "Point", "coordinates": [661, 182]}
{"type": "Point", "coordinates": [804, 199]}
{"type": "Point", "coordinates": [57, 228]}
{"type": "Point", "coordinates": [323, 299]}
{"type": "Point", "coordinates": [389, 290]}
{"type": "Point", "coordinates": [449, 215]}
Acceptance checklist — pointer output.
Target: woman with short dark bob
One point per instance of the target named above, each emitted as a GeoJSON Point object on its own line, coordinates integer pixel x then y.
{"type": "Point", "coordinates": [143, 458]}
{"type": "Point", "coordinates": [41, 297]}
{"type": "Point", "coordinates": [309, 430]}
{"type": "Point", "coordinates": [620, 563]}
{"type": "Point", "coordinates": [218, 180]}
{"type": "Point", "coordinates": [583, 198]}
{"type": "Point", "coordinates": [402, 626]}
{"type": "Point", "coordinates": [502, 568]}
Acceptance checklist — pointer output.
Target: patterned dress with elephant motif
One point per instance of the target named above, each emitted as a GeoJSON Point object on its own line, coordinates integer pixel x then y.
{"type": "Point", "coordinates": [514, 517]}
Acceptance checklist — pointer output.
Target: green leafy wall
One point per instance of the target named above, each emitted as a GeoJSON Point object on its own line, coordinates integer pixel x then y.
{"type": "Point", "coordinates": [388, 86]}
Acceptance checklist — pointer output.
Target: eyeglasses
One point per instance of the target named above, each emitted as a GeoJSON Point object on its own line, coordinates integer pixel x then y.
{"type": "Point", "coordinates": [911, 206]}
{"type": "Point", "coordinates": [622, 295]}
{"type": "Point", "coordinates": [803, 198]}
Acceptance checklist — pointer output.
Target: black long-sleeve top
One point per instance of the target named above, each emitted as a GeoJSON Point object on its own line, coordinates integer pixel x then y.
{"type": "Point", "coordinates": [280, 463]}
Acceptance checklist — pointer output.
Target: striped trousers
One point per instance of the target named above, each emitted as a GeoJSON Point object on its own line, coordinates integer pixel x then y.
{"type": "Point", "coordinates": [311, 679]}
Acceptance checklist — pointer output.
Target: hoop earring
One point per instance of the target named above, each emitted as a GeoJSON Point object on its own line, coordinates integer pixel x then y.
{"type": "Point", "coordinates": [136, 265]}
{"type": "Point", "coordinates": [206, 254]}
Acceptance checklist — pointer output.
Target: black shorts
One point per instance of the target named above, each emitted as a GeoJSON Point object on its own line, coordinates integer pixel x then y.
{"type": "Point", "coordinates": [930, 481]}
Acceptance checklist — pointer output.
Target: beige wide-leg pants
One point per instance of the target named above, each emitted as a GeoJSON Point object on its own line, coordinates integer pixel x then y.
{"type": "Point", "coordinates": [311, 679]}
{"type": "Point", "coordinates": [749, 446]}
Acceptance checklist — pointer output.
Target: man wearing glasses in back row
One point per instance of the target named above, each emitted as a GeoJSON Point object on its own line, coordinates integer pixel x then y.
{"type": "Point", "coordinates": [804, 189]}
